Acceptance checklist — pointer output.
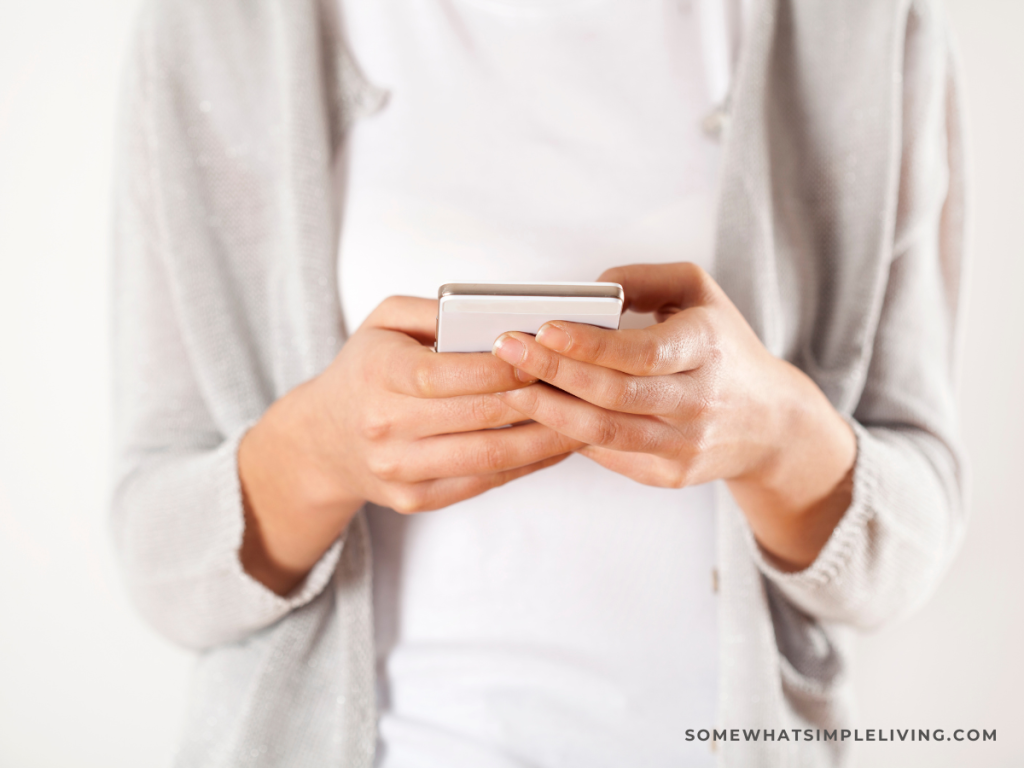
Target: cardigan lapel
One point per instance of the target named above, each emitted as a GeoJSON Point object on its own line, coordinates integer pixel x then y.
{"type": "Point", "coordinates": [800, 171]}
{"type": "Point", "coordinates": [744, 261]}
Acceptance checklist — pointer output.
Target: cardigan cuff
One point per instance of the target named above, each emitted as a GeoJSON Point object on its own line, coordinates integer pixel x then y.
{"type": "Point", "coordinates": [183, 563]}
{"type": "Point", "coordinates": [262, 604]}
{"type": "Point", "coordinates": [831, 564]}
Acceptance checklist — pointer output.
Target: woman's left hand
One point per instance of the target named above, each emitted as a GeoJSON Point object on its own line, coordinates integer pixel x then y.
{"type": "Point", "coordinates": [694, 398]}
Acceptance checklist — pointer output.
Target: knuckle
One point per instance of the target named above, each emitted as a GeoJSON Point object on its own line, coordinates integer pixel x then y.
{"type": "Point", "coordinates": [603, 430]}
{"type": "Point", "coordinates": [384, 467]}
{"type": "Point", "coordinates": [493, 456]}
{"type": "Point", "coordinates": [384, 311]}
{"type": "Point", "coordinates": [639, 438]}
{"type": "Point", "coordinates": [647, 439]}
{"type": "Point", "coordinates": [486, 411]}
{"type": "Point", "coordinates": [710, 337]}
{"type": "Point", "coordinates": [713, 354]}
{"type": "Point", "coordinates": [408, 500]}
{"type": "Point", "coordinates": [651, 359]}
{"type": "Point", "coordinates": [422, 383]}
{"type": "Point", "coordinates": [621, 394]}
{"type": "Point", "coordinates": [527, 399]}
{"type": "Point", "coordinates": [377, 425]}
{"type": "Point", "coordinates": [664, 396]}
{"type": "Point", "coordinates": [704, 406]}
{"type": "Point", "coordinates": [679, 476]}
{"type": "Point", "coordinates": [714, 350]}
{"type": "Point", "coordinates": [545, 365]}
{"type": "Point", "coordinates": [592, 346]}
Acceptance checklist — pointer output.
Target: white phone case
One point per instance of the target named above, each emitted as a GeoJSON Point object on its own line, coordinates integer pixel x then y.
{"type": "Point", "coordinates": [471, 316]}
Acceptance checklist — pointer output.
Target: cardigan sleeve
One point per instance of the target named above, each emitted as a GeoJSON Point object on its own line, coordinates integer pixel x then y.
{"type": "Point", "coordinates": [177, 514]}
{"type": "Point", "coordinates": [908, 513]}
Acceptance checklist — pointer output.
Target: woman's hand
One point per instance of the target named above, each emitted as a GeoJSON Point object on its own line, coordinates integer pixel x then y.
{"type": "Point", "coordinates": [692, 399]}
{"type": "Point", "coordinates": [389, 421]}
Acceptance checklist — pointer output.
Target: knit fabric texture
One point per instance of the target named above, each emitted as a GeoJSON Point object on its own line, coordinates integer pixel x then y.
{"type": "Point", "coordinates": [840, 237]}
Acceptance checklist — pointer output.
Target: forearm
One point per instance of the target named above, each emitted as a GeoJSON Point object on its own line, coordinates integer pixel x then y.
{"type": "Point", "coordinates": [797, 496]}
{"type": "Point", "coordinates": [295, 508]}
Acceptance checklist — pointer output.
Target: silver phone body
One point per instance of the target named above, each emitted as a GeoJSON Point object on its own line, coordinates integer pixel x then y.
{"type": "Point", "coordinates": [470, 316]}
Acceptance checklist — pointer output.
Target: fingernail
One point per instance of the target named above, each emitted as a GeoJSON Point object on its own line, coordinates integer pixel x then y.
{"type": "Point", "coordinates": [553, 337]}
{"type": "Point", "coordinates": [508, 348]}
{"type": "Point", "coordinates": [524, 377]}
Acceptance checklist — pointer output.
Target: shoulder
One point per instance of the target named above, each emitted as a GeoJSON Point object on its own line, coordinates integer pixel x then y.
{"type": "Point", "coordinates": [252, 61]}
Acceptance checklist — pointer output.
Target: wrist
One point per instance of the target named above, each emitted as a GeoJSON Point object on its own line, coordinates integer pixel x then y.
{"type": "Point", "coordinates": [295, 505]}
{"type": "Point", "coordinates": [806, 444]}
{"type": "Point", "coordinates": [798, 493]}
{"type": "Point", "coordinates": [286, 461]}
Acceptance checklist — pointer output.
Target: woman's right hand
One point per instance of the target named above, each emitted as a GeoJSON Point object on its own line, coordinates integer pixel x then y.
{"type": "Point", "coordinates": [389, 421]}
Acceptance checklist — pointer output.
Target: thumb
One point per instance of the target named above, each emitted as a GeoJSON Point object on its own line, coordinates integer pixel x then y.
{"type": "Point", "coordinates": [410, 315]}
{"type": "Point", "coordinates": [662, 287]}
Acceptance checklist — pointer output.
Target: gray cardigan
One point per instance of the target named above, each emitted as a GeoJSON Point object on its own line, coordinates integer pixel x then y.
{"type": "Point", "coordinates": [840, 238]}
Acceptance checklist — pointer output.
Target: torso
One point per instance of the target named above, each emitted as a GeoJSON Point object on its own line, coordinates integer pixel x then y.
{"type": "Point", "coordinates": [568, 618]}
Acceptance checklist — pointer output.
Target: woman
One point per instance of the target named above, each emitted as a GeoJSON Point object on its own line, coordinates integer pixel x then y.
{"type": "Point", "coordinates": [773, 462]}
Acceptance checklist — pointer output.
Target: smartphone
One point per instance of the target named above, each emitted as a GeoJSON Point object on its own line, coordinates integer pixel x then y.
{"type": "Point", "coordinates": [471, 316]}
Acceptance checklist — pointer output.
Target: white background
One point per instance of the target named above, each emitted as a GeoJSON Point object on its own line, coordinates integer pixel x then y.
{"type": "Point", "coordinates": [83, 683]}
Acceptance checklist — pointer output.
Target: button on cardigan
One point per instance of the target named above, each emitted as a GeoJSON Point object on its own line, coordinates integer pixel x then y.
{"type": "Point", "coordinates": [840, 238]}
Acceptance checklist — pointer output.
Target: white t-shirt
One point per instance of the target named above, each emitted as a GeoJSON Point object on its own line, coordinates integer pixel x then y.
{"type": "Point", "coordinates": [567, 618]}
